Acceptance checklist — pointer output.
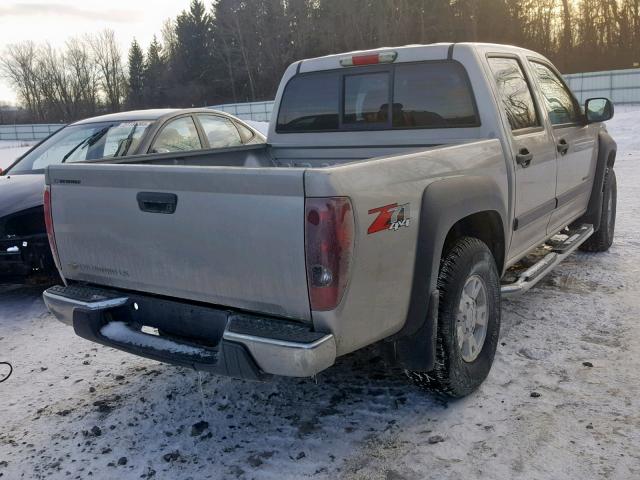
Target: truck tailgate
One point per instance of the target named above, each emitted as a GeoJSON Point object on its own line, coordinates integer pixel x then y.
{"type": "Point", "coordinates": [236, 237]}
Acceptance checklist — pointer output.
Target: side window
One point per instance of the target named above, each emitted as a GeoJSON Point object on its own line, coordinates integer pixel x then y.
{"type": "Point", "coordinates": [245, 132]}
{"type": "Point", "coordinates": [559, 102]}
{"type": "Point", "coordinates": [220, 131]}
{"type": "Point", "coordinates": [179, 135]}
{"type": "Point", "coordinates": [515, 93]}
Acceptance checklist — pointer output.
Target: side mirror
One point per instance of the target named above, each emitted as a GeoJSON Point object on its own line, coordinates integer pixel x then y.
{"type": "Point", "coordinates": [598, 110]}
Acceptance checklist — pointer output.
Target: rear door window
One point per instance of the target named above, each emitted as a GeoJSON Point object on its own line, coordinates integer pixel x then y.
{"type": "Point", "coordinates": [220, 132]}
{"type": "Point", "coordinates": [515, 93]}
{"type": "Point", "coordinates": [179, 135]}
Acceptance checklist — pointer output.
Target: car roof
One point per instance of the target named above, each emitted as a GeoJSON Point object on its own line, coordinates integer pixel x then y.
{"type": "Point", "coordinates": [151, 114]}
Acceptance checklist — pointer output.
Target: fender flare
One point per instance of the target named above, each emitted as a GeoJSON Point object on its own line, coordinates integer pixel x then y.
{"type": "Point", "coordinates": [607, 149]}
{"type": "Point", "coordinates": [444, 203]}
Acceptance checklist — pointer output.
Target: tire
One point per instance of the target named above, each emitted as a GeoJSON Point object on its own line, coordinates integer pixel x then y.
{"type": "Point", "coordinates": [602, 239]}
{"type": "Point", "coordinates": [466, 263]}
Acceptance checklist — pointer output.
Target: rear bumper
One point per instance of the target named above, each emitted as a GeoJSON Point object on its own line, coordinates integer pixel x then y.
{"type": "Point", "coordinates": [204, 338]}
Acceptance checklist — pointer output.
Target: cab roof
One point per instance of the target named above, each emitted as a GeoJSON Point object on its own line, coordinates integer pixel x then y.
{"type": "Point", "coordinates": [407, 53]}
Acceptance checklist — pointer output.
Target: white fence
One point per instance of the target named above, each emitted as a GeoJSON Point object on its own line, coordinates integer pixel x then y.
{"type": "Point", "coordinates": [620, 86]}
{"type": "Point", "coordinates": [257, 111]}
{"type": "Point", "coordinates": [28, 132]}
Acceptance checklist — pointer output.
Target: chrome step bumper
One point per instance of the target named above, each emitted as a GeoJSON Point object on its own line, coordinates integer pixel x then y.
{"type": "Point", "coordinates": [559, 252]}
{"type": "Point", "coordinates": [234, 344]}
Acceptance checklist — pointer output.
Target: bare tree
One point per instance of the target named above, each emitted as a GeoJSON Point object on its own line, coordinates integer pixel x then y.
{"type": "Point", "coordinates": [83, 77]}
{"type": "Point", "coordinates": [108, 58]}
{"type": "Point", "coordinates": [18, 67]}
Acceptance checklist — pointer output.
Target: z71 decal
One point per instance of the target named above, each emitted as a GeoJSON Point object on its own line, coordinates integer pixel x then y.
{"type": "Point", "coordinates": [390, 217]}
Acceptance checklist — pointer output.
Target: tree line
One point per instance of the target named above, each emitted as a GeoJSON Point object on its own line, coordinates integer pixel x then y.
{"type": "Point", "coordinates": [236, 50]}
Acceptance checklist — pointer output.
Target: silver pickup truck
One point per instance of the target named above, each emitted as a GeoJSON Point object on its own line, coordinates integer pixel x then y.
{"type": "Point", "coordinates": [401, 194]}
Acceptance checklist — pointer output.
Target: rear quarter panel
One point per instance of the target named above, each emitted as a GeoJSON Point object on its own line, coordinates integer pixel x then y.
{"type": "Point", "coordinates": [376, 302]}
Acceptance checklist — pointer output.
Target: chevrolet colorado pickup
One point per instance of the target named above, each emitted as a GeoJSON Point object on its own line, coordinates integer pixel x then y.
{"type": "Point", "coordinates": [402, 192]}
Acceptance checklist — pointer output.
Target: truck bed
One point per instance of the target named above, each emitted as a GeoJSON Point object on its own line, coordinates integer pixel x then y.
{"type": "Point", "coordinates": [267, 156]}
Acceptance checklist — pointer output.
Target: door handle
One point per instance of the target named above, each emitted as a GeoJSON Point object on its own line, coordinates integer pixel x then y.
{"type": "Point", "coordinates": [157, 202]}
{"type": "Point", "coordinates": [524, 157]}
{"type": "Point", "coordinates": [563, 146]}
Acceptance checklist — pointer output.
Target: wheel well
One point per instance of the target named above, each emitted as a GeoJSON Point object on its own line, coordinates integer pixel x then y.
{"type": "Point", "coordinates": [485, 226]}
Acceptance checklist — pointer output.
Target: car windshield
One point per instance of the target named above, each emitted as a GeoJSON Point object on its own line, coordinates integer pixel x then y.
{"type": "Point", "coordinates": [76, 143]}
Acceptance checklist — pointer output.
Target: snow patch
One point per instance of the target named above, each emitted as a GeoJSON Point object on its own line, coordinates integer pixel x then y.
{"type": "Point", "coordinates": [120, 332]}
{"type": "Point", "coordinates": [10, 150]}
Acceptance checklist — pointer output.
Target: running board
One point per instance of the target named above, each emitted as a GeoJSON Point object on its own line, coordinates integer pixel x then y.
{"type": "Point", "coordinates": [558, 252]}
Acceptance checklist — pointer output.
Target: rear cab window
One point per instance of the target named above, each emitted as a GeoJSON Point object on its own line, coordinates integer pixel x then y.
{"type": "Point", "coordinates": [432, 94]}
{"type": "Point", "coordinates": [310, 103]}
{"type": "Point", "coordinates": [366, 99]}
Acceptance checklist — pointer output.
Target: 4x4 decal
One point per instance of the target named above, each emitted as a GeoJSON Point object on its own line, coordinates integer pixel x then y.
{"type": "Point", "coordinates": [390, 217]}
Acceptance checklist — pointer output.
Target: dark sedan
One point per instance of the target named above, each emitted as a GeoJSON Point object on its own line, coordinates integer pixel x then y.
{"type": "Point", "coordinates": [24, 248]}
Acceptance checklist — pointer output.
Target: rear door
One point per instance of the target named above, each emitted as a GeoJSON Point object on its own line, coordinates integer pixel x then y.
{"type": "Point", "coordinates": [226, 236]}
{"type": "Point", "coordinates": [575, 143]}
{"type": "Point", "coordinates": [533, 153]}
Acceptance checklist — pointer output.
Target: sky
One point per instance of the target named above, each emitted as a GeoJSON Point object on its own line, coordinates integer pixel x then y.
{"type": "Point", "coordinates": [56, 21]}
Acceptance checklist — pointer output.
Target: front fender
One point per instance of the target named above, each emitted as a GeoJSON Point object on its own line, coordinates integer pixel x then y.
{"type": "Point", "coordinates": [607, 148]}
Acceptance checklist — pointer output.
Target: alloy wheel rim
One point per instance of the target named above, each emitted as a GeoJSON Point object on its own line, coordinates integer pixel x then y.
{"type": "Point", "coordinates": [472, 318]}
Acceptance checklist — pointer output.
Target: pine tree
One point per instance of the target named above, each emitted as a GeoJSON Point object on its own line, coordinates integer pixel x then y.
{"type": "Point", "coordinates": [192, 60]}
{"type": "Point", "coordinates": [155, 76]}
{"type": "Point", "coordinates": [135, 98]}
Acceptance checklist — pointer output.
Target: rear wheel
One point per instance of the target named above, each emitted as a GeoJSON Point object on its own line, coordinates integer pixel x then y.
{"type": "Point", "coordinates": [601, 240]}
{"type": "Point", "coordinates": [468, 320]}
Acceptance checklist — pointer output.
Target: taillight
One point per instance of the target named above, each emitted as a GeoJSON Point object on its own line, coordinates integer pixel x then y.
{"type": "Point", "coordinates": [48, 221]}
{"type": "Point", "coordinates": [329, 237]}
{"type": "Point", "coordinates": [369, 59]}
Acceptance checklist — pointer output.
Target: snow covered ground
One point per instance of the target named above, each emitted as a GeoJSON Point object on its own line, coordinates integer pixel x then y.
{"type": "Point", "coordinates": [73, 409]}
{"type": "Point", "coordinates": [10, 150]}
